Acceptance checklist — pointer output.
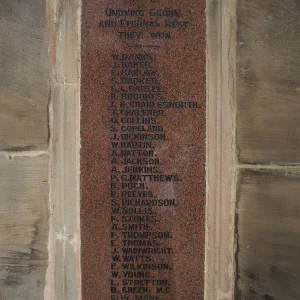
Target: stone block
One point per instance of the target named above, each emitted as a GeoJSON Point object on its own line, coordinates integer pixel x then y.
{"type": "Point", "coordinates": [268, 82]}
{"type": "Point", "coordinates": [66, 158]}
{"type": "Point", "coordinates": [268, 235]}
{"type": "Point", "coordinates": [65, 194]}
{"type": "Point", "coordinates": [23, 227]}
{"type": "Point", "coordinates": [24, 77]}
{"type": "Point", "coordinates": [67, 34]}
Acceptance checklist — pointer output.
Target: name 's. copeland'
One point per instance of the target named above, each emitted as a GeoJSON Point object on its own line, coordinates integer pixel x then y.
{"type": "Point", "coordinates": [160, 13]}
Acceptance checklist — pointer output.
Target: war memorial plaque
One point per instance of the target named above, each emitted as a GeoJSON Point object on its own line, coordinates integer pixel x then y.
{"type": "Point", "coordinates": [143, 149]}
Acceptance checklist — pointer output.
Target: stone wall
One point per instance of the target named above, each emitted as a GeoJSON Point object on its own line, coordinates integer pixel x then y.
{"type": "Point", "coordinates": [24, 145]}
{"type": "Point", "coordinates": [39, 146]}
{"type": "Point", "coordinates": [268, 149]}
{"type": "Point", "coordinates": [252, 218]}
{"type": "Point", "coordinates": [253, 173]}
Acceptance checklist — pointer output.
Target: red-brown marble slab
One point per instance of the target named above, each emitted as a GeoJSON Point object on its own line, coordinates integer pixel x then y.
{"type": "Point", "coordinates": [145, 241]}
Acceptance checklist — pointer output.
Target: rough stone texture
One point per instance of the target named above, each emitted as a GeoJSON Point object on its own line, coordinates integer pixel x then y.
{"type": "Point", "coordinates": [220, 209]}
{"type": "Point", "coordinates": [64, 110]}
{"type": "Point", "coordinates": [64, 274]}
{"type": "Point", "coordinates": [65, 193]}
{"type": "Point", "coordinates": [24, 77]}
{"type": "Point", "coordinates": [67, 34]}
{"type": "Point", "coordinates": [268, 81]}
{"type": "Point", "coordinates": [23, 227]}
{"type": "Point", "coordinates": [180, 62]}
{"type": "Point", "coordinates": [268, 235]}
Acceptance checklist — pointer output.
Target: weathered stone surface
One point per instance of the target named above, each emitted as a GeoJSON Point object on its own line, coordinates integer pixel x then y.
{"type": "Point", "coordinates": [65, 192]}
{"type": "Point", "coordinates": [24, 77]}
{"type": "Point", "coordinates": [23, 227]}
{"type": "Point", "coordinates": [65, 276]}
{"type": "Point", "coordinates": [65, 169]}
{"type": "Point", "coordinates": [268, 81]}
{"type": "Point", "coordinates": [67, 34]}
{"type": "Point", "coordinates": [268, 235]}
{"type": "Point", "coordinates": [219, 215]}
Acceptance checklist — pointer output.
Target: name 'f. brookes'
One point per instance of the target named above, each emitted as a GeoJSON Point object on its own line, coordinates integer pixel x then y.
{"type": "Point", "coordinates": [142, 96]}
